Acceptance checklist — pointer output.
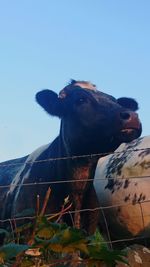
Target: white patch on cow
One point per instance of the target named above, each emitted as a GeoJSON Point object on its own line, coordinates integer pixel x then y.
{"type": "Point", "coordinates": [122, 180]}
{"type": "Point", "coordinates": [31, 159]}
{"type": "Point", "coordinates": [35, 154]}
{"type": "Point", "coordinates": [86, 85]}
{"type": "Point", "coordinates": [24, 172]}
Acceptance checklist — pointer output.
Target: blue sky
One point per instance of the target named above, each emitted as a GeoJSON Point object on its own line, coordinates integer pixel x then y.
{"type": "Point", "coordinates": [45, 43]}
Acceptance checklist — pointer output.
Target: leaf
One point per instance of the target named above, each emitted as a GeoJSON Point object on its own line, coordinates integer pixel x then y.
{"type": "Point", "coordinates": [71, 235]}
{"type": "Point", "coordinates": [47, 230]}
{"type": "Point", "coordinates": [55, 247]}
{"type": "Point", "coordinates": [69, 248]}
{"type": "Point", "coordinates": [82, 247]}
{"type": "Point", "coordinates": [12, 250]}
{"type": "Point", "coordinates": [46, 233]}
{"type": "Point", "coordinates": [69, 240]}
{"type": "Point", "coordinates": [98, 239]}
{"type": "Point", "coordinates": [110, 257]}
{"type": "Point", "coordinates": [98, 250]}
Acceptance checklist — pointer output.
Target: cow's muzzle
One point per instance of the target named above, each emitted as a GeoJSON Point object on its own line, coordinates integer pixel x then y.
{"type": "Point", "coordinates": [131, 126]}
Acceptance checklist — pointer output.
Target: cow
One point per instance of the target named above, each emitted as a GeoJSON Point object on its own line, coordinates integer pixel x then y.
{"type": "Point", "coordinates": [122, 184]}
{"type": "Point", "coordinates": [92, 123]}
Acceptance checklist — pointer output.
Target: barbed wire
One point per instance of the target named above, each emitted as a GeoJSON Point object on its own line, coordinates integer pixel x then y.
{"type": "Point", "coordinates": [71, 181]}
{"type": "Point", "coordinates": [79, 211]}
{"type": "Point", "coordinates": [100, 208]}
{"type": "Point", "coordinates": [120, 240]}
{"type": "Point", "coordinates": [77, 181]}
{"type": "Point", "coordinates": [109, 241]}
{"type": "Point", "coordinates": [71, 157]}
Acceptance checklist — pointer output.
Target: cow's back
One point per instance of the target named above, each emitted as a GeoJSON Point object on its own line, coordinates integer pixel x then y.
{"type": "Point", "coordinates": [8, 170]}
{"type": "Point", "coordinates": [122, 183]}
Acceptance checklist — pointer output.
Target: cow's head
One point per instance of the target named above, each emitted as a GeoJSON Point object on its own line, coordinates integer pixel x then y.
{"type": "Point", "coordinates": [92, 121]}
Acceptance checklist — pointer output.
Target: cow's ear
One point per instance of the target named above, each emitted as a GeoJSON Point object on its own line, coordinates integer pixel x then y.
{"type": "Point", "coordinates": [50, 101]}
{"type": "Point", "coordinates": [128, 103]}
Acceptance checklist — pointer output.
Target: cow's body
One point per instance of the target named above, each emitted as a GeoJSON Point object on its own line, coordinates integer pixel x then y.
{"type": "Point", "coordinates": [91, 122]}
{"type": "Point", "coordinates": [122, 183]}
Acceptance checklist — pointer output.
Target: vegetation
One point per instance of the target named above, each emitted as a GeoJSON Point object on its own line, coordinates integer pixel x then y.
{"type": "Point", "coordinates": [45, 241]}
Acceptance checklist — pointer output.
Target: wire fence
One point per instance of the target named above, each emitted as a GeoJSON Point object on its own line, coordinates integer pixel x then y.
{"type": "Point", "coordinates": [75, 181]}
{"type": "Point", "coordinates": [108, 240]}
{"type": "Point", "coordinates": [100, 208]}
{"type": "Point", "coordinates": [74, 157]}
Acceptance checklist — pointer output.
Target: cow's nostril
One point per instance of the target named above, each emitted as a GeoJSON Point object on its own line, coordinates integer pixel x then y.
{"type": "Point", "coordinates": [125, 115]}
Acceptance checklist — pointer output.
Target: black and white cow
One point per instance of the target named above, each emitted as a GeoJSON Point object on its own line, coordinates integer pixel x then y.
{"type": "Point", "coordinates": [122, 184]}
{"type": "Point", "coordinates": [91, 122]}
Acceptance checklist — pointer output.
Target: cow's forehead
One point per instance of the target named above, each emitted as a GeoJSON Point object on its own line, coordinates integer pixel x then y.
{"type": "Point", "coordinates": [77, 84]}
{"type": "Point", "coordinates": [86, 86]}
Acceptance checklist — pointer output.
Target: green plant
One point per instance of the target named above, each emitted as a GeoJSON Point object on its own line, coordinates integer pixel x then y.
{"type": "Point", "coordinates": [47, 242]}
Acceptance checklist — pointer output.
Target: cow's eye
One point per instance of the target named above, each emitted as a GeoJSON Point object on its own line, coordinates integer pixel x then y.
{"type": "Point", "coordinates": [80, 100]}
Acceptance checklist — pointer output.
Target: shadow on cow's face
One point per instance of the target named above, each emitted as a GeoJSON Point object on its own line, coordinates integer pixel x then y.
{"type": "Point", "coordinates": [92, 118]}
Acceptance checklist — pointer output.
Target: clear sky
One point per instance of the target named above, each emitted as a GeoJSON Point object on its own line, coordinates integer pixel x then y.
{"type": "Point", "coordinates": [45, 43]}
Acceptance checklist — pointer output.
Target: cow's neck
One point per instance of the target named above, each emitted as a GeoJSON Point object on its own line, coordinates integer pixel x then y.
{"type": "Point", "coordinates": [80, 171]}
{"type": "Point", "coordinates": [81, 142]}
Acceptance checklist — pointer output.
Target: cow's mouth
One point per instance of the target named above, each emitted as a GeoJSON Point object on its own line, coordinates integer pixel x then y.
{"type": "Point", "coordinates": [129, 134]}
{"type": "Point", "coordinates": [129, 131]}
